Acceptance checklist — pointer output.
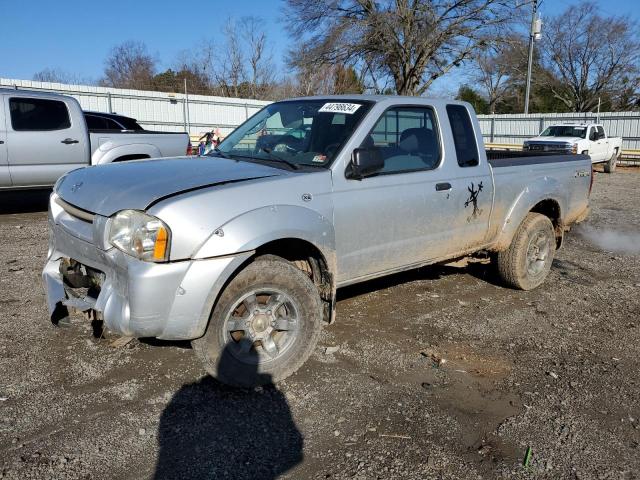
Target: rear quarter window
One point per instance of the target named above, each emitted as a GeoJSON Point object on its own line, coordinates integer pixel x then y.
{"type": "Point", "coordinates": [96, 123]}
{"type": "Point", "coordinates": [463, 136]}
{"type": "Point", "coordinates": [38, 114]}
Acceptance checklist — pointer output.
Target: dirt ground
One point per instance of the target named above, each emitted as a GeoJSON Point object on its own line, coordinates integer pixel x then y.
{"type": "Point", "coordinates": [439, 373]}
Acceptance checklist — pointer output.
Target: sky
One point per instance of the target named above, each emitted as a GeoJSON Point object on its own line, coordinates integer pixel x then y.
{"type": "Point", "coordinates": [75, 36]}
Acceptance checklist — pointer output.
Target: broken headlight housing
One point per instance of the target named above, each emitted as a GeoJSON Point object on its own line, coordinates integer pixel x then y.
{"type": "Point", "coordinates": [140, 235]}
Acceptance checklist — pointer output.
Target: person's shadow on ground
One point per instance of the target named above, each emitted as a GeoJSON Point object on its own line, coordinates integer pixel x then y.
{"type": "Point", "coordinates": [211, 431]}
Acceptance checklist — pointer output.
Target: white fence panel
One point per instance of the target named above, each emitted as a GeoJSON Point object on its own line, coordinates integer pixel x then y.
{"type": "Point", "coordinates": [515, 128]}
{"type": "Point", "coordinates": [155, 110]}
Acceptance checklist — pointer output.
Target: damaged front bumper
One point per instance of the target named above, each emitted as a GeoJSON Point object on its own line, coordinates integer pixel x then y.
{"type": "Point", "coordinates": [141, 299]}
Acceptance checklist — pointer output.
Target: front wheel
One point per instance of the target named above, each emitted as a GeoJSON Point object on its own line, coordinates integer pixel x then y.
{"type": "Point", "coordinates": [264, 326]}
{"type": "Point", "coordinates": [610, 166]}
{"type": "Point", "coordinates": [527, 261]}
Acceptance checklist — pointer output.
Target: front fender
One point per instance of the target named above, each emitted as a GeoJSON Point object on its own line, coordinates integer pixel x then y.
{"type": "Point", "coordinates": [107, 154]}
{"type": "Point", "coordinates": [545, 188]}
{"type": "Point", "coordinates": [250, 230]}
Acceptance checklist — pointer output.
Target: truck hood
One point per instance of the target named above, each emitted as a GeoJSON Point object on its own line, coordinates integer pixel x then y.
{"type": "Point", "coordinates": [106, 189]}
{"type": "Point", "coordinates": [554, 139]}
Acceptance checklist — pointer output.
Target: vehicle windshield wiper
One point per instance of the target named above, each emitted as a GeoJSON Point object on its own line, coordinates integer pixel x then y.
{"type": "Point", "coordinates": [278, 158]}
{"type": "Point", "coordinates": [221, 153]}
{"type": "Point", "coordinates": [313, 165]}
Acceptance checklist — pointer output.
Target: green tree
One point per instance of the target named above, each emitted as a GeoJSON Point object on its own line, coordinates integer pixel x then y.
{"type": "Point", "coordinates": [346, 80]}
{"type": "Point", "coordinates": [172, 81]}
{"type": "Point", "coordinates": [468, 94]}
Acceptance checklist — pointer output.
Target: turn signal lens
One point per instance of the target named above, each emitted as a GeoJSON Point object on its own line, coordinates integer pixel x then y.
{"type": "Point", "coordinates": [160, 248]}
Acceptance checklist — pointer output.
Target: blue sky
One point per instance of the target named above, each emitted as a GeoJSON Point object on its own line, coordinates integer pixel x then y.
{"type": "Point", "coordinates": [75, 36]}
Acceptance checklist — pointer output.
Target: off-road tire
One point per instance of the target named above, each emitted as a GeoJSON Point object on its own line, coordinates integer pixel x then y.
{"type": "Point", "coordinates": [610, 165]}
{"type": "Point", "coordinates": [265, 272]}
{"type": "Point", "coordinates": [513, 262]}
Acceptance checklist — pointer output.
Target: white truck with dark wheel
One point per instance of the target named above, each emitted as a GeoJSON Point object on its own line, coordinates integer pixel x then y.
{"type": "Point", "coordinates": [578, 138]}
{"type": "Point", "coordinates": [243, 253]}
{"type": "Point", "coordinates": [44, 135]}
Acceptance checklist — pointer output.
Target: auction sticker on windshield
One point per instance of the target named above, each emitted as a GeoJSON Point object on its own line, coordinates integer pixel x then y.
{"type": "Point", "coordinates": [340, 107]}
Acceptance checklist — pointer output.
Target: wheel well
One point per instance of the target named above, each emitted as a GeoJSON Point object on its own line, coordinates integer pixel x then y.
{"type": "Point", "coordinates": [308, 258]}
{"type": "Point", "coordinates": [126, 158]}
{"type": "Point", "coordinates": [551, 209]}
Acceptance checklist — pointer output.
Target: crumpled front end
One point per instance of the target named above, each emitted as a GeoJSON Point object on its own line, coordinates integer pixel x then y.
{"type": "Point", "coordinates": [169, 300]}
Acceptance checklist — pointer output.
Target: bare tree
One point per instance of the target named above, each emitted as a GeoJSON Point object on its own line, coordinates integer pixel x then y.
{"type": "Point", "coordinates": [500, 68]}
{"type": "Point", "coordinates": [243, 65]}
{"type": "Point", "coordinates": [229, 72]}
{"type": "Point", "coordinates": [314, 81]}
{"type": "Point", "coordinates": [588, 56]}
{"type": "Point", "coordinates": [129, 65]}
{"type": "Point", "coordinates": [414, 42]}
{"type": "Point", "coordinates": [493, 74]}
{"type": "Point", "coordinates": [57, 75]}
{"type": "Point", "coordinates": [259, 59]}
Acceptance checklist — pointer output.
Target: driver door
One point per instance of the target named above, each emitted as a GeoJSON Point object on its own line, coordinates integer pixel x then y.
{"type": "Point", "coordinates": [597, 147]}
{"type": "Point", "coordinates": [396, 217]}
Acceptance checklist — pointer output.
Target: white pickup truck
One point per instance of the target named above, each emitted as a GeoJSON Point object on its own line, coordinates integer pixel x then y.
{"type": "Point", "coordinates": [584, 138]}
{"type": "Point", "coordinates": [44, 135]}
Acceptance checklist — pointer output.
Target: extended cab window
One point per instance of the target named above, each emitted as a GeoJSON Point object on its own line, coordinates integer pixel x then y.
{"type": "Point", "coordinates": [463, 136]}
{"type": "Point", "coordinates": [406, 138]}
{"type": "Point", "coordinates": [600, 131]}
{"type": "Point", "coordinates": [37, 114]}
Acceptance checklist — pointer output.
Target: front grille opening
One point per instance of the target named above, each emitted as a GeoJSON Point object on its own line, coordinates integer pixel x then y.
{"type": "Point", "coordinates": [76, 212]}
{"type": "Point", "coordinates": [82, 283]}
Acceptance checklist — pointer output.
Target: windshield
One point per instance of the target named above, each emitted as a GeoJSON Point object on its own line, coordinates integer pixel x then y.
{"type": "Point", "coordinates": [565, 131]}
{"type": "Point", "coordinates": [297, 133]}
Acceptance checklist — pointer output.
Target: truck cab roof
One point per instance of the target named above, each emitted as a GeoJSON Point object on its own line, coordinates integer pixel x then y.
{"type": "Point", "coordinates": [393, 99]}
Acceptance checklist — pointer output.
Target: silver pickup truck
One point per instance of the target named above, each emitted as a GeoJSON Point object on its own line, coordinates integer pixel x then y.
{"type": "Point", "coordinates": [242, 252]}
{"type": "Point", "coordinates": [44, 135]}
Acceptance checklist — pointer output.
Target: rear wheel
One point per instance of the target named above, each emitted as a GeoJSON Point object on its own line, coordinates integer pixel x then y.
{"type": "Point", "coordinates": [610, 166]}
{"type": "Point", "coordinates": [527, 261]}
{"type": "Point", "coordinates": [264, 326]}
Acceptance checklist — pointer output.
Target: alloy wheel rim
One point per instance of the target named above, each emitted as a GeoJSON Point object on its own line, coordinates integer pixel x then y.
{"type": "Point", "coordinates": [261, 325]}
{"type": "Point", "coordinates": [537, 253]}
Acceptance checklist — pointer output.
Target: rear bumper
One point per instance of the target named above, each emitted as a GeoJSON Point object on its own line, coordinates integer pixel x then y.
{"type": "Point", "coordinates": [141, 299]}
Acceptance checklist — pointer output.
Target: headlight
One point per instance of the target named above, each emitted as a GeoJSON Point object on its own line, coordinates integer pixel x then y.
{"type": "Point", "coordinates": [140, 235]}
{"type": "Point", "coordinates": [574, 148]}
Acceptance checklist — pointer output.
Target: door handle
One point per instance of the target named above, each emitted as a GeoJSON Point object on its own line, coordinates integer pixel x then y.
{"type": "Point", "coordinates": [69, 141]}
{"type": "Point", "coordinates": [440, 187]}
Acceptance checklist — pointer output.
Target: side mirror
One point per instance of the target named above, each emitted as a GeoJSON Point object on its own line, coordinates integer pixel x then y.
{"type": "Point", "coordinates": [593, 136]}
{"type": "Point", "coordinates": [365, 162]}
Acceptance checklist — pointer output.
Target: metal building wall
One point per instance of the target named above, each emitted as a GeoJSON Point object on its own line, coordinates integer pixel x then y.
{"type": "Point", "coordinates": [155, 110]}
{"type": "Point", "coordinates": [514, 129]}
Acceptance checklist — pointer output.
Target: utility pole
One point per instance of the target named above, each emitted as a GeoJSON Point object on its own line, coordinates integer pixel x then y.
{"type": "Point", "coordinates": [534, 34]}
{"type": "Point", "coordinates": [186, 107]}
